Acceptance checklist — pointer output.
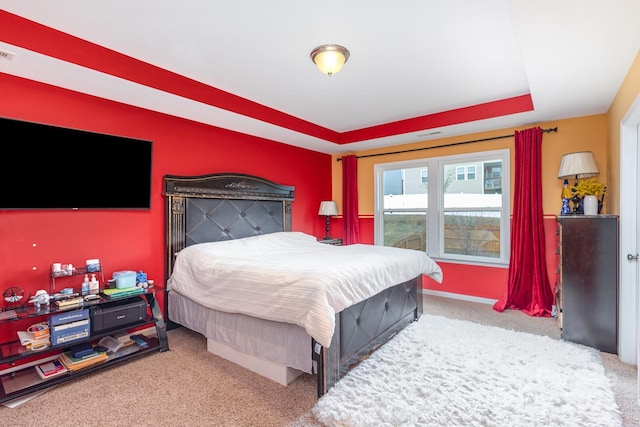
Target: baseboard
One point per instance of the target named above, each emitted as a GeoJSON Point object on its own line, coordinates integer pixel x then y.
{"type": "Point", "coordinates": [462, 297]}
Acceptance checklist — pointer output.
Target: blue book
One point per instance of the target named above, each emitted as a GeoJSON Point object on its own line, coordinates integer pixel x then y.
{"type": "Point", "coordinates": [81, 350]}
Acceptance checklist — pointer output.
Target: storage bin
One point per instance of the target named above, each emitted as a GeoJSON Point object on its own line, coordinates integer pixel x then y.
{"type": "Point", "coordinates": [125, 279]}
{"type": "Point", "coordinates": [93, 265]}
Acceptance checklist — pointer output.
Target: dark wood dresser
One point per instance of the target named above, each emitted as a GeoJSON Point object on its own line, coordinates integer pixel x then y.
{"type": "Point", "coordinates": [587, 289]}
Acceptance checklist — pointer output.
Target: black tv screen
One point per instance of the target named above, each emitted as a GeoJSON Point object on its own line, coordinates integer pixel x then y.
{"type": "Point", "coordinates": [50, 167]}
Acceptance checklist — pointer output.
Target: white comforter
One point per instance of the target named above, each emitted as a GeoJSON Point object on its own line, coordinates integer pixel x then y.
{"type": "Point", "coordinates": [290, 277]}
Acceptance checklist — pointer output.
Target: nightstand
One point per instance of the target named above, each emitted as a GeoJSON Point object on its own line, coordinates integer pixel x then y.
{"type": "Point", "coordinates": [335, 242]}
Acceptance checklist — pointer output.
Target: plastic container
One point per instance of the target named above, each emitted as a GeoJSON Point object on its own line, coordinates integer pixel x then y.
{"type": "Point", "coordinates": [93, 265]}
{"type": "Point", "coordinates": [85, 285]}
{"type": "Point", "coordinates": [94, 285]}
{"type": "Point", "coordinates": [125, 279]}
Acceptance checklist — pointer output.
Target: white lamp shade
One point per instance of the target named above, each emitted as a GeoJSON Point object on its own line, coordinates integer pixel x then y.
{"type": "Point", "coordinates": [329, 58]}
{"type": "Point", "coordinates": [581, 165]}
{"type": "Point", "coordinates": [328, 208]}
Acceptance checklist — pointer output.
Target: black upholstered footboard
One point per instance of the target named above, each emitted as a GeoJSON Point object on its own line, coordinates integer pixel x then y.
{"type": "Point", "coordinates": [365, 326]}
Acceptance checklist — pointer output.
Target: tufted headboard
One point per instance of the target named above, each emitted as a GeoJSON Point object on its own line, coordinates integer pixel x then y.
{"type": "Point", "coordinates": [223, 206]}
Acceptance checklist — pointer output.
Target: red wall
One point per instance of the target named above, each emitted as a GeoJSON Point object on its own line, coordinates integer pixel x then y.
{"type": "Point", "coordinates": [472, 281]}
{"type": "Point", "coordinates": [134, 240]}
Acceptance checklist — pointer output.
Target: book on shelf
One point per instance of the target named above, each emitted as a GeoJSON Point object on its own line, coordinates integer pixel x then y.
{"type": "Point", "coordinates": [110, 343]}
{"type": "Point", "coordinates": [81, 350]}
{"type": "Point", "coordinates": [69, 303]}
{"type": "Point", "coordinates": [75, 363]}
{"type": "Point", "coordinates": [50, 369]}
{"type": "Point", "coordinates": [123, 337]}
{"type": "Point", "coordinates": [27, 340]}
{"type": "Point", "coordinates": [140, 339]}
{"type": "Point", "coordinates": [121, 292]}
{"type": "Point", "coordinates": [79, 359]}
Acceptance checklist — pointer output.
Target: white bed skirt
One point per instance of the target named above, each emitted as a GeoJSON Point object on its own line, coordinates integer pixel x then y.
{"type": "Point", "coordinates": [276, 350]}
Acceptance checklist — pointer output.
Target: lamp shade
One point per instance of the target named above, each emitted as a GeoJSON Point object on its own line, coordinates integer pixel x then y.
{"type": "Point", "coordinates": [329, 58]}
{"type": "Point", "coordinates": [328, 208]}
{"type": "Point", "coordinates": [581, 165]}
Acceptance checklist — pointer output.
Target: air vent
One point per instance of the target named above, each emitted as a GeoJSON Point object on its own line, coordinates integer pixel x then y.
{"type": "Point", "coordinates": [5, 54]}
{"type": "Point", "coordinates": [422, 135]}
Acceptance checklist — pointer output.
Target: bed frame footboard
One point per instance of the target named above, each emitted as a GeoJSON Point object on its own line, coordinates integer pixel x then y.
{"type": "Point", "coordinates": [247, 205]}
{"type": "Point", "coordinates": [363, 327]}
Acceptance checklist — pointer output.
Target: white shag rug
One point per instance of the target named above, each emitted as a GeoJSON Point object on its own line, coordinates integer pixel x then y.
{"type": "Point", "coordinates": [444, 372]}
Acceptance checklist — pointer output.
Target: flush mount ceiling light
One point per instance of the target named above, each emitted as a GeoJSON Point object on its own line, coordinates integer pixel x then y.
{"type": "Point", "coordinates": [329, 58]}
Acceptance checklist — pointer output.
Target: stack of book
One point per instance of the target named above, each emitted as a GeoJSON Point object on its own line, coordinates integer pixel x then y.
{"type": "Point", "coordinates": [121, 292]}
{"type": "Point", "coordinates": [75, 363]}
{"type": "Point", "coordinates": [66, 303]}
{"type": "Point", "coordinates": [50, 369]}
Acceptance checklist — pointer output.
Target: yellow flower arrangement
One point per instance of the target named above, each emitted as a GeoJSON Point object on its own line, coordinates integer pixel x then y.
{"type": "Point", "coordinates": [588, 187]}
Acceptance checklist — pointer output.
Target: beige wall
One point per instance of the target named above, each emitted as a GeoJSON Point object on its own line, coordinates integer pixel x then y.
{"type": "Point", "coordinates": [579, 134]}
{"type": "Point", "coordinates": [599, 133]}
{"type": "Point", "coordinates": [628, 92]}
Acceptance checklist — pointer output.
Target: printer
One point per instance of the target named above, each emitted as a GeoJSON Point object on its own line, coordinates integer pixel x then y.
{"type": "Point", "coordinates": [115, 314]}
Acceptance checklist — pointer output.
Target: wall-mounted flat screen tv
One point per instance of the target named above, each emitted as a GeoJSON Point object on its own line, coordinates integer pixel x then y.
{"type": "Point", "coordinates": [50, 167]}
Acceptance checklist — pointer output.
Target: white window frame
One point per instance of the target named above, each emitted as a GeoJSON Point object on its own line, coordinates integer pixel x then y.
{"type": "Point", "coordinates": [424, 176]}
{"type": "Point", "coordinates": [475, 172]}
{"type": "Point", "coordinates": [435, 217]}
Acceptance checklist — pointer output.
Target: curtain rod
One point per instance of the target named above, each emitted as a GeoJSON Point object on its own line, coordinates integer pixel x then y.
{"type": "Point", "coordinates": [555, 129]}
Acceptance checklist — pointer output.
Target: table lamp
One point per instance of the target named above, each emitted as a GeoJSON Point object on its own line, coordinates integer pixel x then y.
{"type": "Point", "coordinates": [581, 164]}
{"type": "Point", "coordinates": [328, 209]}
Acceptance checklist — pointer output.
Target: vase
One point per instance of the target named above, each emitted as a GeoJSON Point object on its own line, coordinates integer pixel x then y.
{"type": "Point", "coordinates": [590, 205]}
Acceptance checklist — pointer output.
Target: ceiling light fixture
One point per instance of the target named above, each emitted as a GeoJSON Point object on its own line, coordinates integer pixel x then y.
{"type": "Point", "coordinates": [329, 58]}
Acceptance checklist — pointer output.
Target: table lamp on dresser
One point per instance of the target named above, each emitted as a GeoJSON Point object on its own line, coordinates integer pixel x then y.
{"type": "Point", "coordinates": [579, 165]}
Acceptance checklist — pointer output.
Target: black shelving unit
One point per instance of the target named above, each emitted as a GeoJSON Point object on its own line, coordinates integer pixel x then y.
{"type": "Point", "coordinates": [18, 377]}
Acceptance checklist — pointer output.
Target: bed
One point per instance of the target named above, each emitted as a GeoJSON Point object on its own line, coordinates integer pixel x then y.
{"type": "Point", "coordinates": [273, 300]}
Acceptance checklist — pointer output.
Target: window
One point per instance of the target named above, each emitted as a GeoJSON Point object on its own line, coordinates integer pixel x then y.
{"type": "Point", "coordinates": [464, 173]}
{"type": "Point", "coordinates": [471, 172]}
{"type": "Point", "coordinates": [404, 207]}
{"type": "Point", "coordinates": [424, 176]}
{"type": "Point", "coordinates": [493, 178]}
{"type": "Point", "coordinates": [451, 218]}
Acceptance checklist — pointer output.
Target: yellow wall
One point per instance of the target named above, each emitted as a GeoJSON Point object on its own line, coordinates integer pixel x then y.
{"type": "Point", "coordinates": [579, 134]}
{"type": "Point", "coordinates": [598, 133]}
{"type": "Point", "coordinates": [628, 92]}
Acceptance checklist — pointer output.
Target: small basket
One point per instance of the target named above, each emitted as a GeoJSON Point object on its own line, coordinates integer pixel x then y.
{"type": "Point", "coordinates": [93, 265]}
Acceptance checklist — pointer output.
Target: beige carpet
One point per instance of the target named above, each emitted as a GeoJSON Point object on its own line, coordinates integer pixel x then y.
{"type": "Point", "coordinates": [187, 386]}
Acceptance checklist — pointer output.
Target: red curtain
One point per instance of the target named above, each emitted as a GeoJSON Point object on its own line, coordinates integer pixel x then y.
{"type": "Point", "coordinates": [528, 287]}
{"type": "Point", "coordinates": [350, 200]}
